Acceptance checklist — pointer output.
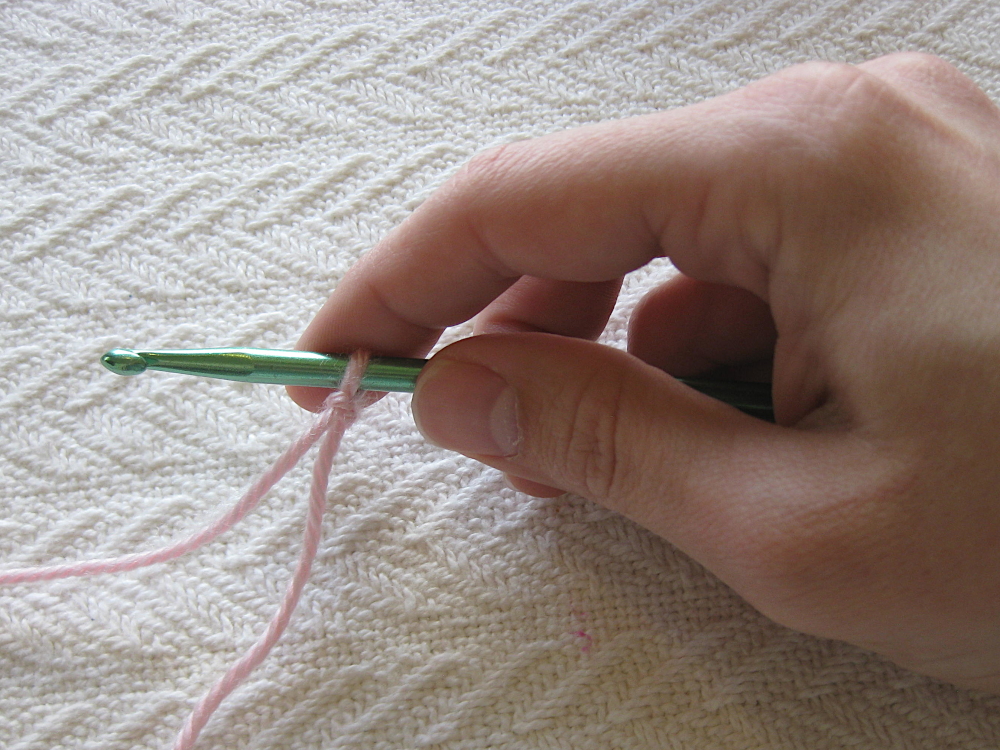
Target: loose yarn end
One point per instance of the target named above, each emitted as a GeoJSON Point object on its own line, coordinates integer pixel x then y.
{"type": "Point", "coordinates": [339, 412]}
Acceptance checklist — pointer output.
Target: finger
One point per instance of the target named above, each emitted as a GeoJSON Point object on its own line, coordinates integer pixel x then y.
{"type": "Point", "coordinates": [595, 421]}
{"type": "Point", "coordinates": [567, 308]}
{"type": "Point", "coordinates": [587, 205]}
{"type": "Point", "coordinates": [688, 327]}
{"type": "Point", "coordinates": [575, 206]}
{"type": "Point", "coordinates": [578, 309]}
{"type": "Point", "coordinates": [723, 188]}
{"type": "Point", "coordinates": [571, 207]}
{"type": "Point", "coordinates": [531, 488]}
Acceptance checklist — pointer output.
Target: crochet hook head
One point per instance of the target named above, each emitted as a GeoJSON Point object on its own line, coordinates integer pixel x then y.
{"type": "Point", "coordinates": [281, 367]}
{"type": "Point", "coordinates": [123, 362]}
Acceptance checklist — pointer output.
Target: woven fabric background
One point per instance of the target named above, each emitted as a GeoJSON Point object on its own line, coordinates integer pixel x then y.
{"type": "Point", "coordinates": [184, 174]}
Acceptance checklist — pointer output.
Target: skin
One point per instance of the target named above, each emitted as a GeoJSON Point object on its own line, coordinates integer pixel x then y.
{"type": "Point", "coordinates": [835, 226]}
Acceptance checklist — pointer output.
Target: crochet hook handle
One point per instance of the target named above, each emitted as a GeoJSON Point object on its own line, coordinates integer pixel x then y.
{"type": "Point", "coordinates": [288, 367]}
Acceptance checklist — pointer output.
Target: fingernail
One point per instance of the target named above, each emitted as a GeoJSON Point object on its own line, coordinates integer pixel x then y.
{"type": "Point", "coordinates": [466, 408]}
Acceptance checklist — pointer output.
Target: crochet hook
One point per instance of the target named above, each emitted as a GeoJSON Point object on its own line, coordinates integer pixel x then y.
{"type": "Point", "coordinates": [286, 367]}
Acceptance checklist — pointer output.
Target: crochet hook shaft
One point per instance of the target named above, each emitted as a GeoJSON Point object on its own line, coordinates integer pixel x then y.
{"type": "Point", "coordinates": [285, 367]}
{"type": "Point", "coordinates": [281, 367]}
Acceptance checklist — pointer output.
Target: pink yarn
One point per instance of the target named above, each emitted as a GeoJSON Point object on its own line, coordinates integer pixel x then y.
{"type": "Point", "coordinates": [339, 411]}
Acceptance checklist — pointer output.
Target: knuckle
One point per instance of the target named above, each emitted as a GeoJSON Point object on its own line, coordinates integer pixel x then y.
{"type": "Point", "coordinates": [847, 106]}
{"type": "Point", "coordinates": [854, 130]}
{"type": "Point", "coordinates": [927, 68]}
{"type": "Point", "coordinates": [835, 103]}
{"type": "Point", "coordinates": [592, 443]}
{"type": "Point", "coordinates": [476, 192]}
{"type": "Point", "coordinates": [821, 112]}
{"type": "Point", "coordinates": [923, 62]}
{"type": "Point", "coordinates": [487, 166]}
{"type": "Point", "coordinates": [803, 88]}
{"type": "Point", "coordinates": [928, 77]}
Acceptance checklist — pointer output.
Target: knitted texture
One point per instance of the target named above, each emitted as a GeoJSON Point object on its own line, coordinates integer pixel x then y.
{"type": "Point", "coordinates": [184, 174]}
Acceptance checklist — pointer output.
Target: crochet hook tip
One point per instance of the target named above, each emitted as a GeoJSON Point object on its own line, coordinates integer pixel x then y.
{"type": "Point", "coordinates": [124, 362]}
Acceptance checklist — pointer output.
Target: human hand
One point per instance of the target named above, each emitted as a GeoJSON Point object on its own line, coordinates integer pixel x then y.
{"type": "Point", "coordinates": [839, 223]}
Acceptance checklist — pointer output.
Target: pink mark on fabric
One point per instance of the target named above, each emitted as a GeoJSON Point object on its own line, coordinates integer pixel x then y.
{"type": "Point", "coordinates": [588, 640]}
{"type": "Point", "coordinates": [339, 412]}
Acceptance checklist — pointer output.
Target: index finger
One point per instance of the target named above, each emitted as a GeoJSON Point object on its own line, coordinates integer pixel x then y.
{"type": "Point", "coordinates": [543, 208]}
{"type": "Point", "coordinates": [585, 205]}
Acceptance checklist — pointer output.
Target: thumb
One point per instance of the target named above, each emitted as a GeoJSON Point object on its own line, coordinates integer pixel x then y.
{"type": "Point", "coordinates": [602, 424]}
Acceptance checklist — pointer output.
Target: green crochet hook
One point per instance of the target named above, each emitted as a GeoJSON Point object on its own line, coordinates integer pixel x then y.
{"type": "Point", "coordinates": [284, 367]}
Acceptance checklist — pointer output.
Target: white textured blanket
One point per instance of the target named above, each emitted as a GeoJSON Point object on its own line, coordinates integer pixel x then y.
{"type": "Point", "coordinates": [183, 174]}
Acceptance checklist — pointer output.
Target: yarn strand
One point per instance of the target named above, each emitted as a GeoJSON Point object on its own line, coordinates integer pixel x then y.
{"type": "Point", "coordinates": [340, 410]}
{"type": "Point", "coordinates": [343, 405]}
{"type": "Point", "coordinates": [224, 523]}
